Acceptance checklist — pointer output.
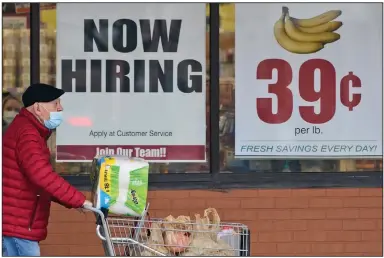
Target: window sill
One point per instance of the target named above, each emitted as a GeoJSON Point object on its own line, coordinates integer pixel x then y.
{"type": "Point", "coordinates": [251, 180]}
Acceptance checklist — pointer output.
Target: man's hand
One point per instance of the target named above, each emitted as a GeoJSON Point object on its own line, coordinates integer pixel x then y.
{"type": "Point", "coordinates": [85, 205]}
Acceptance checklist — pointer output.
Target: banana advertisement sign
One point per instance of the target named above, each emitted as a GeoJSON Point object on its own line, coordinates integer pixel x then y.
{"type": "Point", "coordinates": [305, 36]}
{"type": "Point", "coordinates": [309, 80]}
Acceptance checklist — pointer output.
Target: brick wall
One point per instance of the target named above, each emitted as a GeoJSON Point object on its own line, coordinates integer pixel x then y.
{"type": "Point", "coordinates": [287, 222]}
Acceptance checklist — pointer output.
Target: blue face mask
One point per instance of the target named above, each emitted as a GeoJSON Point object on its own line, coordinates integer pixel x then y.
{"type": "Point", "coordinates": [55, 119]}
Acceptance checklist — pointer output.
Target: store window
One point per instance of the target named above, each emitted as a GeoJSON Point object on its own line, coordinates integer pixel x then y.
{"type": "Point", "coordinates": [15, 60]}
{"type": "Point", "coordinates": [227, 120]}
{"type": "Point", "coordinates": [16, 76]}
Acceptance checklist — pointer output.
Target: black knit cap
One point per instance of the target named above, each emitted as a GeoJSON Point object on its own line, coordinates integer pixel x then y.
{"type": "Point", "coordinates": [40, 92]}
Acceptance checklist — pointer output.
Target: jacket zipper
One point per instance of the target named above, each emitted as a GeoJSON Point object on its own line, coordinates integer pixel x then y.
{"type": "Point", "coordinates": [34, 212]}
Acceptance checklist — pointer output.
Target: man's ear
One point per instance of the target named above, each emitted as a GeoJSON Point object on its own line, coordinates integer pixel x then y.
{"type": "Point", "coordinates": [37, 108]}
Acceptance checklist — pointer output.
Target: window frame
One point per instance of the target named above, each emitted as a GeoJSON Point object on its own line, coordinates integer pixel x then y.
{"type": "Point", "coordinates": [216, 180]}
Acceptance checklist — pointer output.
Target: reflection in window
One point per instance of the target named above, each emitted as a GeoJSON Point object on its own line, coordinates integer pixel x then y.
{"type": "Point", "coordinates": [15, 62]}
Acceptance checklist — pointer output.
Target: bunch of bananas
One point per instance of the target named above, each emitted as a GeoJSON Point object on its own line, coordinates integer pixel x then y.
{"type": "Point", "coordinates": [305, 36]}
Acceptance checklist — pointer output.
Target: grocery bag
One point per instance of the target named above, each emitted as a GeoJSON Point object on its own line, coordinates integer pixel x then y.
{"type": "Point", "coordinates": [120, 184]}
{"type": "Point", "coordinates": [205, 241]}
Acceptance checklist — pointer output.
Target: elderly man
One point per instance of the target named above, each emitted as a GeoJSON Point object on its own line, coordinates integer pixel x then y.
{"type": "Point", "coordinates": [29, 182]}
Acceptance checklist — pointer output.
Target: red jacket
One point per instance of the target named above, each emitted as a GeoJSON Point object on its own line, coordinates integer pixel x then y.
{"type": "Point", "coordinates": [29, 182]}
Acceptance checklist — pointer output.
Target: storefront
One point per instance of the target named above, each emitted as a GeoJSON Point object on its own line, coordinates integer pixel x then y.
{"type": "Point", "coordinates": [293, 204]}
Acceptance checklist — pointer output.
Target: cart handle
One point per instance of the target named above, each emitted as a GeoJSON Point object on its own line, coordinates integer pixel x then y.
{"type": "Point", "coordinates": [90, 208]}
{"type": "Point", "coordinates": [99, 220]}
{"type": "Point", "coordinates": [99, 234]}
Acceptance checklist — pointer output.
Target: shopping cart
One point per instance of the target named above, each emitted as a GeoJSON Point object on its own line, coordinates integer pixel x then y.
{"type": "Point", "coordinates": [136, 236]}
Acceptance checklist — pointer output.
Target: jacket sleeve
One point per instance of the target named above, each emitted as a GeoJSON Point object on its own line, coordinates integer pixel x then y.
{"type": "Point", "coordinates": [36, 166]}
